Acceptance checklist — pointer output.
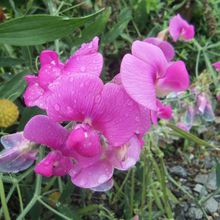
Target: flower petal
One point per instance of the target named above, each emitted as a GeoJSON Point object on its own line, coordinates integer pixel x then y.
{"type": "Point", "coordinates": [165, 46]}
{"type": "Point", "coordinates": [18, 154]}
{"type": "Point", "coordinates": [42, 130]}
{"type": "Point", "coordinates": [92, 176]}
{"type": "Point", "coordinates": [126, 156]}
{"type": "Point", "coordinates": [138, 80]}
{"type": "Point", "coordinates": [104, 187]}
{"type": "Point", "coordinates": [86, 60]}
{"type": "Point", "coordinates": [217, 65]}
{"type": "Point", "coordinates": [54, 164]}
{"type": "Point", "coordinates": [73, 97]}
{"type": "Point", "coordinates": [150, 54]}
{"type": "Point", "coordinates": [49, 57]}
{"type": "Point", "coordinates": [164, 111]}
{"type": "Point", "coordinates": [175, 80]}
{"type": "Point", "coordinates": [178, 27]}
{"type": "Point", "coordinates": [119, 122]}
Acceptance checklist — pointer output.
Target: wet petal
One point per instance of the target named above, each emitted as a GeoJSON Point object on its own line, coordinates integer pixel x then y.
{"type": "Point", "coordinates": [164, 111]}
{"type": "Point", "coordinates": [92, 176]}
{"type": "Point", "coordinates": [86, 60]}
{"type": "Point", "coordinates": [13, 140]}
{"type": "Point", "coordinates": [138, 80]}
{"type": "Point", "coordinates": [217, 65]}
{"type": "Point", "coordinates": [74, 97]}
{"type": "Point", "coordinates": [49, 57]}
{"type": "Point", "coordinates": [42, 130]}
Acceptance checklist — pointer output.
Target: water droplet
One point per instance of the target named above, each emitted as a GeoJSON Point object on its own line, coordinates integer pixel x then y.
{"type": "Point", "coordinates": [57, 107]}
{"type": "Point", "coordinates": [82, 68]}
{"type": "Point", "coordinates": [97, 99]}
{"type": "Point", "coordinates": [81, 85]}
{"type": "Point", "coordinates": [69, 109]}
{"type": "Point", "coordinates": [102, 179]}
{"type": "Point", "coordinates": [137, 119]}
{"type": "Point", "coordinates": [90, 46]}
{"type": "Point", "coordinates": [129, 102]}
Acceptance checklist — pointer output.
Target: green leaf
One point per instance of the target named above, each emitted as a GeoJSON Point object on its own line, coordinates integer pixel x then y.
{"type": "Point", "coordinates": [124, 17]}
{"type": "Point", "coordinates": [95, 28]}
{"type": "Point", "coordinates": [218, 175]}
{"type": "Point", "coordinates": [189, 136]}
{"type": "Point", "coordinates": [8, 61]}
{"type": "Point", "coordinates": [39, 29]}
{"type": "Point", "coordinates": [14, 87]}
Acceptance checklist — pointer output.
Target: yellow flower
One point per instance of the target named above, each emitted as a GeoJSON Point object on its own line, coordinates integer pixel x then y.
{"type": "Point", "coordinates": [8, 113]}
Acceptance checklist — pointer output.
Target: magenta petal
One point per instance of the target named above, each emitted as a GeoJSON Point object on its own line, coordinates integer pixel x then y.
{"type": "Point", "coordinates": [104, 186]}
{"type": "Point", "coordinates": [54, 164]}
{"type": "Point", "coordinates": [126, 156]}
{"type": "Point", "coordinates": [34, 94]}
{"type": "Point", "coordinates": [217, 65]}
{"type": "Point", "coordinates": [48, 57]}
{"type": "Point", "coordinates": [86, 60]}
{"type": "Point", "coordinates": [119, 122]}
{"type": "Point", "coordinates": [164, 111]}
{"type": "Point", "coordinates": [138, 80]}
{"type": "Point", "coordinates": [150, 54]}
{"type": "Point", "coordinates": [18, 154]}
{"type": "Point", "coordinates": [178, 27]}
{"type": "Point", "coordinates": [73, 97]}
{"type": "Point", "coordinates": [175, 80]}
{"type": "Point", "coordinates": [92, 176]}
{"type": "Point", "coordinates": [165, 46]}
{"type": "Point", "coordinates": [42, 130]}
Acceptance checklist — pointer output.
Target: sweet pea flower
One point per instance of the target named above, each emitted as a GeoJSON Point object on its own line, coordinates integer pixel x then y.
{"type": "Point", "coordinates": [180, 29]}
{"type": "Point", "coordinates": [217, 65]}
{"type": "Point", "coordinates": [107, 133]}
{"type": "Point", "coordinates": [87, 59]}
{"type": "Point", "coordinates": [18, 153]}
{"type": "Point", "coordinates": [147, 74]}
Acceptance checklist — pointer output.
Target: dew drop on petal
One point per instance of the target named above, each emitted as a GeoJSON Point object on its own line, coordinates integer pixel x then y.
{"type": "Point", "coordinates": [82, 68]}
{"type": "Point", "coordinates": [57, 107]}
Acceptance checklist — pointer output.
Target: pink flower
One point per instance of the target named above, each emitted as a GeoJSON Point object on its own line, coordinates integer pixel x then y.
{"type": "Point", "coordinates": [146, 73]}
{"type": "Point", "coordinates": [217, 65]}
{"type": "Point", "coordinates": [18, 154]}
{"type": "Point", "coordinates": [87, 59]}
{"type": "Point", "coordinates": [165, 46]}
{"type": "Point", "coordinates": [180, 28]}
{"type": "Point", "coordinates": [107, 134]}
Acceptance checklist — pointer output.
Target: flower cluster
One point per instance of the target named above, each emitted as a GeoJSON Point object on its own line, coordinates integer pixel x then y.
{"type": "Point", "coordinates": [108, 121]}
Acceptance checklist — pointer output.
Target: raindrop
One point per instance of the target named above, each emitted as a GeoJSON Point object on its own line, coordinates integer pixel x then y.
{"type": "Point", "coordinates": [57, 107]}
{"type": "Point", "coordinates": [82, 68]}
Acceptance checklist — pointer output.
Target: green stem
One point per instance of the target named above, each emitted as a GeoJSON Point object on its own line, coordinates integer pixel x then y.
{"type": "Point", "coordinates": [52, 209]}
{"type": "Point", "coordinates": [3, 200]}
{"type": "Point", "coordinates": [132, 191]}
{"type": "Point", "coordinates": [20, 197]}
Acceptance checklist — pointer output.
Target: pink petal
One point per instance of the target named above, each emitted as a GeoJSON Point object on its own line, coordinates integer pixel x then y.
{"type": "Point", "coordinates": [175, 80]}
{"type": "Point", "coordinates": [126, 156]}
{"type": "Point", "coordinates": [138, 80]}
{"type": "Point", "coordinates": [178, 27]}
{"type": "Point", "coordinates": [217, 65]}
{"type": "Point", "coordinates": [165, 46]}
{"type": "Point", "coordinates": [49, 57]}
{"type": "Point", "coordinates": [34, 94]}
{"type": "Point", "coordinates": [85, 141]}
{"type": "Point", "coordinates": [92, 176]}
{"type": "Point", "coordinates": [73, 97]}
{"type": "Point", "coordinates": [54, 164]}
{"type": "Point", "coordinates": [164, 111]}
{"type": "Point", "coordinates": [150, 54]}
{"type": "Point", "coordinates": [119, 122]}
{"type": "Point", "coordinates": [86, 60]}
{"type": "Point", "coordinates": [42, 130]}
{"type": "Point", "coordinates": [104, 186]}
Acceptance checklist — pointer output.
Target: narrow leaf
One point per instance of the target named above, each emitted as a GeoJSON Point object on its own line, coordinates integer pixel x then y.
{"type": "Point", "coordinates": [39, 29]}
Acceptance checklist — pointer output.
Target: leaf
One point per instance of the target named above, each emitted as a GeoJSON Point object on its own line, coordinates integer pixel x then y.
{"type": "Point", "coordinates": [14, 87]}
{"type": "Point", "coordinates": [124, 17]}
{"type": "Point", "coordinates": [189, 136]}
{"type": "Point", "coordinates": [39, 29]}
{"type": "Point", "coordinates": [218, 174]}
{"type": "Point", "coordinates": [8, 61]}
{"type": "Point", "coordinates": [94, 28]}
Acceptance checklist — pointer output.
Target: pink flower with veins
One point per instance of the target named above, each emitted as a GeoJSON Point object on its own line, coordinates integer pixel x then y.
{"type": "Point", "coordinates": [146, 73]}
{"type": "Point", "coordinates": [217, 65]}
{"type": "Point", "coordinates": [107, 134]}
{"type": "Point", "coordinates": [180, 29]}
{"type": "Point", "coordinates": [87, 59]}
